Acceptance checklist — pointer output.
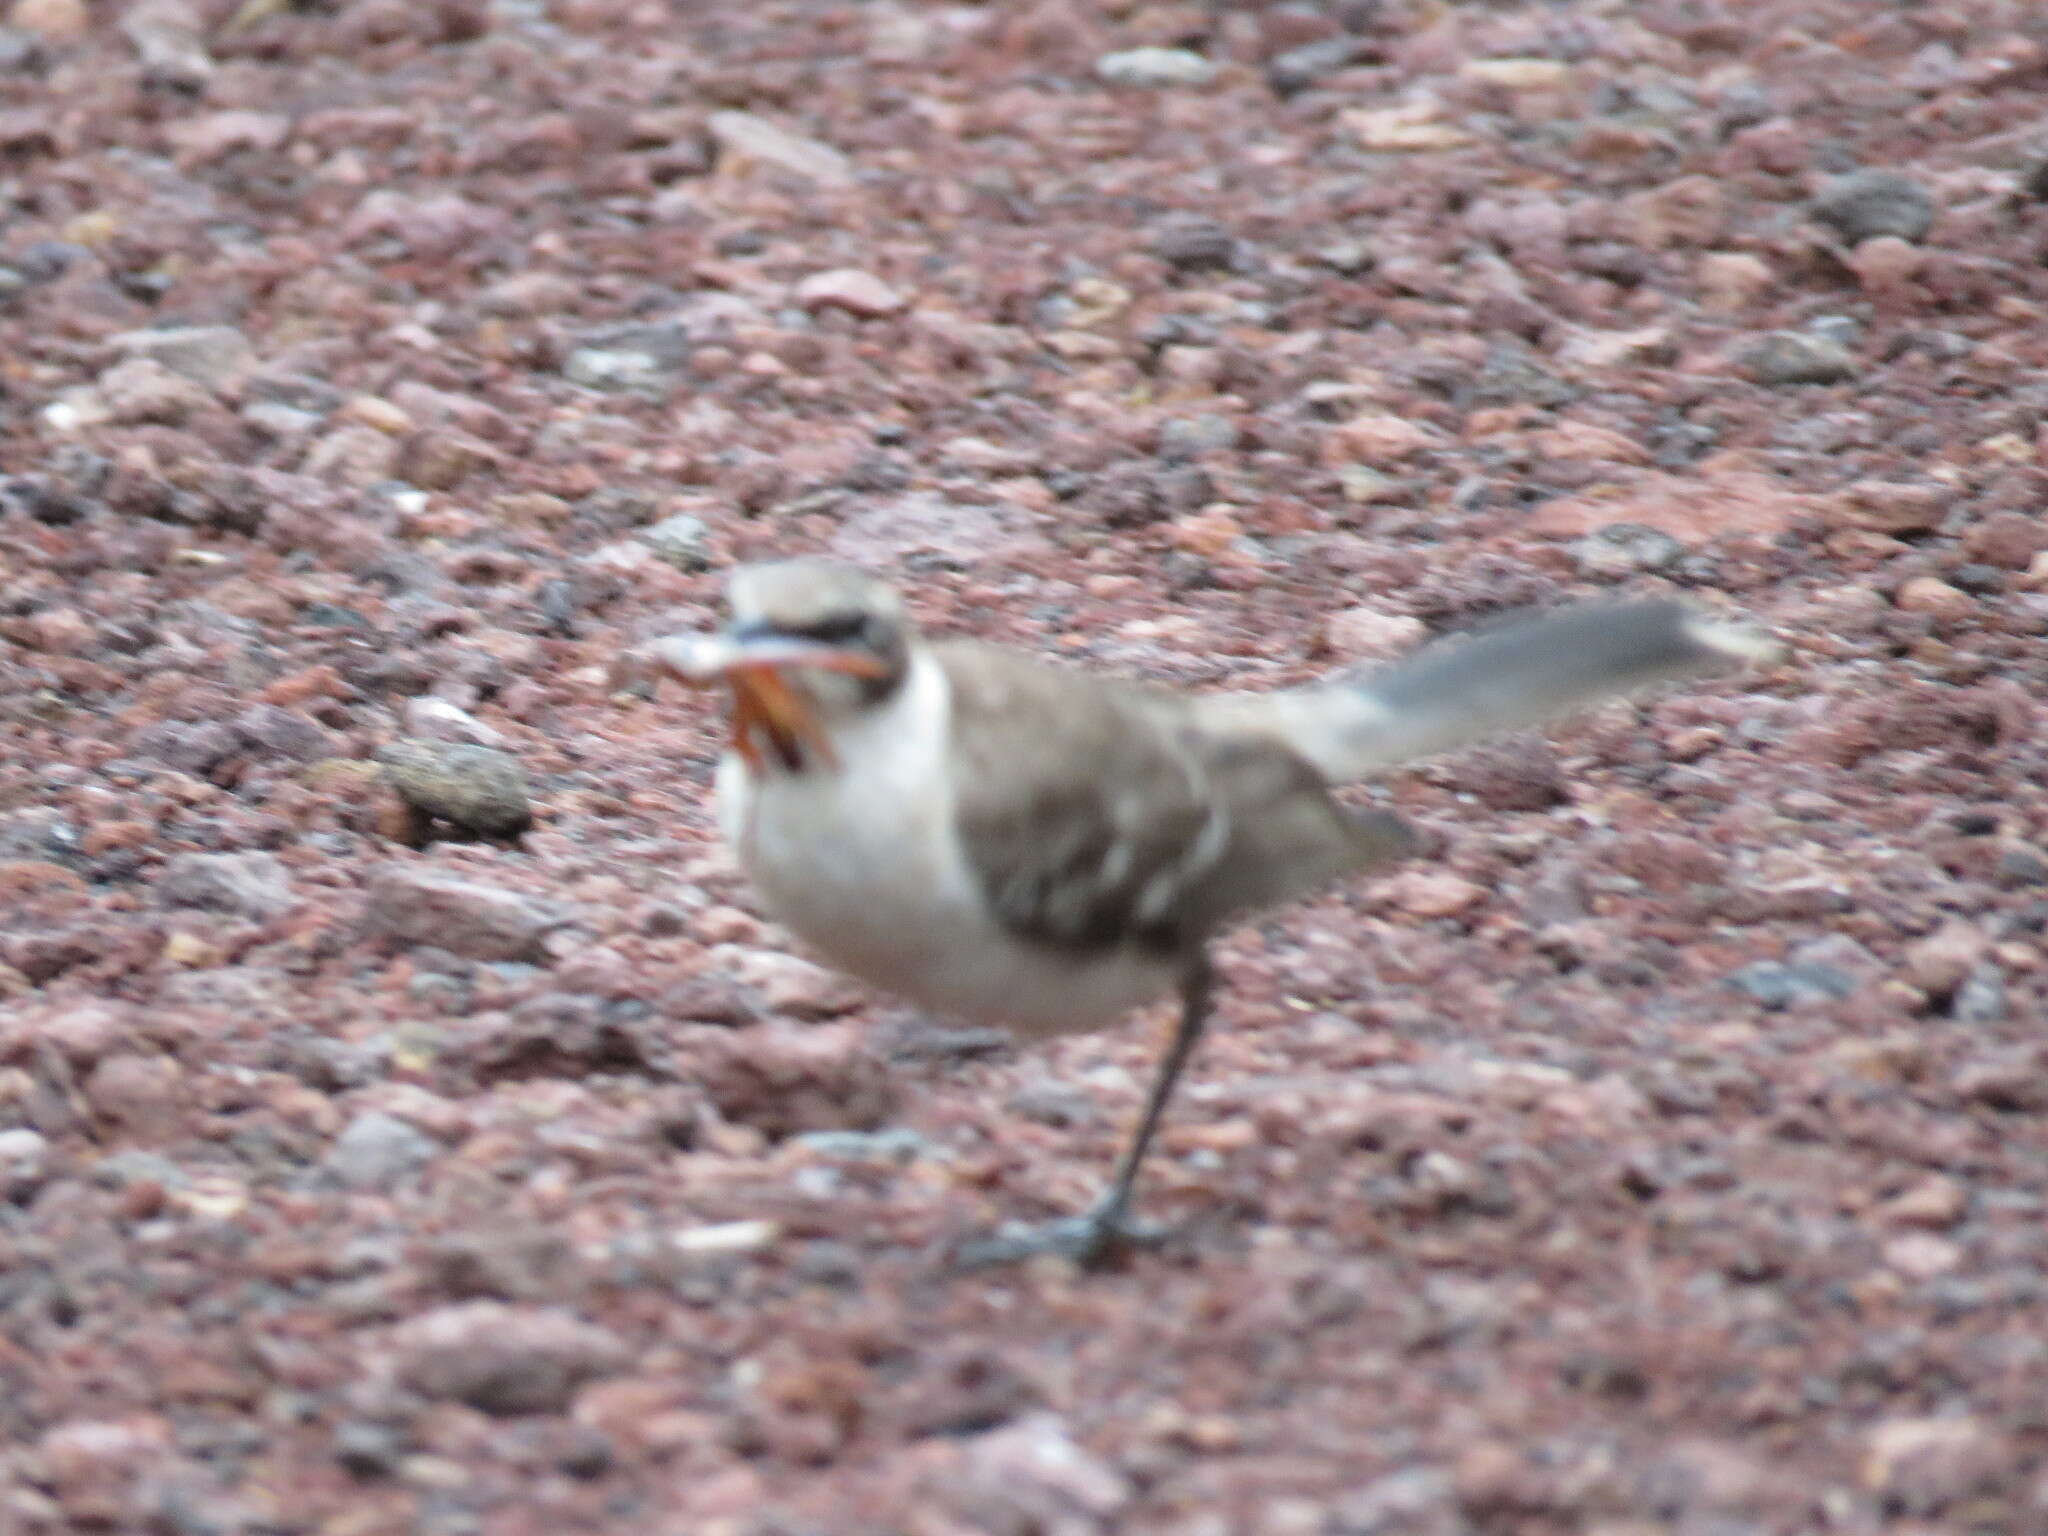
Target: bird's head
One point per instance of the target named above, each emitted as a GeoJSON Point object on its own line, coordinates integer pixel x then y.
{"type": "Point", "coordinates": [809, 645]}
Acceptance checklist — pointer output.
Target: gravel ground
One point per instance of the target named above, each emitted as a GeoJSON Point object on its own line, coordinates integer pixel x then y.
{"type": "Point", "coordinates": [406, 1125]}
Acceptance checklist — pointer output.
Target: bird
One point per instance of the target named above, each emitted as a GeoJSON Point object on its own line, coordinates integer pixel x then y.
{"type": "Point", "coordinates": [1018, 843]}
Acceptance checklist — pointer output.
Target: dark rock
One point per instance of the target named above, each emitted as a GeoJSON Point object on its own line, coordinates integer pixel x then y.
{"type": "Point", "coordinates": [1194, 244]}
{"type": "Point", "coordinates": [478, 789]}
{"type": "Point", "coordinates": [1866, 204]}
{"type": "Point", "coordinates": [1794, 357]}
{"type": "Point", "coordinates": [1777, 985]}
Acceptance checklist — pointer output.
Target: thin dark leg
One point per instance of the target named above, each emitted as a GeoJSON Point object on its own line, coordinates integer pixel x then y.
{"type": "Point", "coordinates": [1107, 1229]}
{"type": "Point", "coordinates": [1115, 1205]}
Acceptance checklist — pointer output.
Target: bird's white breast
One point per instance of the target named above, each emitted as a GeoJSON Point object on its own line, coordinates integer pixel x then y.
{"type": "Point", "coordinates": [863, 862]}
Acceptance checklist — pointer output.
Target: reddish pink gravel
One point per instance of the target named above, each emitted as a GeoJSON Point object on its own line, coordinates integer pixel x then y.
{"type": "Point", "coordinates": [1666, 1156]}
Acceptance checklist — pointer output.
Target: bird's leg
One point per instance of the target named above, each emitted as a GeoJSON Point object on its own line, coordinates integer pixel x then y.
{"type": "Point", "coordinates": [1107, 1229]}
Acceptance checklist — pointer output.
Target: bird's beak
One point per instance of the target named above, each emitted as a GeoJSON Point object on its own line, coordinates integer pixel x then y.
{"type": "Point", "coordinates": [705, 659]}
{"type": "Point", "coordinates": [768, 714]}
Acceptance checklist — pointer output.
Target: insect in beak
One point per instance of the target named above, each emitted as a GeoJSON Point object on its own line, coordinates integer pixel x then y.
{"type": "Point", "coordinates": [769, 714]}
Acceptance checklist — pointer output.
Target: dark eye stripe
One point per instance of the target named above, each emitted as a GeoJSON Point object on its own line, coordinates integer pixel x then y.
{"type": "Point", "coordinates": [835, 629]}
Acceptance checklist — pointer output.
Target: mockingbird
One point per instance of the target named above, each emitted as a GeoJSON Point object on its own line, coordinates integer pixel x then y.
{"type": "Point", "coordinates": [1018, 844]}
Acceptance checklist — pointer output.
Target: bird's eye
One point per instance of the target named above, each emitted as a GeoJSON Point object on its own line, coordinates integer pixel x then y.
{"type": "Point", "coordinates": [834, 629]}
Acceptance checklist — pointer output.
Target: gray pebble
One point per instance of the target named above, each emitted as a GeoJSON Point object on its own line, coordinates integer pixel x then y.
{"type": "Point", "coordinates": [376, 1149]}
{"type": "Point", "coordinates": [252, 885]}
{"type": "Point", "coordinates": [1791, 357]}
{"type": "Point", "coordinates": [478, 789]}
{"type": "Point", "coordinates": [1189, 437]}
{"type": "Point", "coordinates": [1866, 204]}
{"type": "Point", "coordinates": [1621, 549]}
{"type": "Point", "coordinates": [680, 540]}
{"type": "Point", "coordinates": [1155, 67]}
{"type": "Point", "coordinates": [1777, 986]}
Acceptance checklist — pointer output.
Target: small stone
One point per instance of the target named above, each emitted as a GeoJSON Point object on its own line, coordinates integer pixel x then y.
{"type": "Point", "coordinates": [377, 1150]}
{"type": "Point", "coordinates": [682, 540]}
{"type": "Point", "coordinates": [1189, 243]}
{"type": "Point", "coordinates": [505, 1359]}
{"type": "Point", "coordinates": [94, 1466]}
{"type": "Point", "coordinates": [784, 1079]}
{"type": "Point", "coordinates": [1210, 533]}
{"type": "Point", "coordinates": [1938, 964]}
{"type": "Point", "coordinates": [1189, 437]}
{"type": "Point", "coordinates": [142, 390]}
{"type": "Point", "coordinates": [848, 288]}
{"type": "Point", "coordinates": [1155, 68]}
{"type": "Point", "coordinates": [1778, 985]}
{"type": "Point", "coordinates": [1525, 776]}
{"type": "Point", "coordinates": [1733, 280]}
{"type": "Point", "coordinates": [1529, 74]}
{"type": "Point", "coordinates": [368, 1450]}
{"type": "Point", "coordinates": [1413, 128]}
{"type": "Point", "coordinates": [356, 455]}
{"type": "Point", "coordinates": [1936, 1201]}
{"type": "Point", "coordinates": [1893, 506]}
{"type": "Point", "coordinates": [412, 904]}
{"type": "Point", "coordinates": [1371, 634]}
{"type": "Point", "coordinates": [167, 39]}
{"type": "Point", "coordinates": [2013, 540]}
{"type": "Point", "coordinates": [1616, 349]}
{"type": "Point", "coordinates": [1934, 597]}
{"type": "Point", "coordinates": [1583, 441]}
{"type": "Point", "coordinates": [1981, 998]}
{"type": "Point", "coordinates": [1378, 439]}
{"type": "Point", "coordinates": [1794, 357]}
{"type": "Point", "coordinates": [54, 21]}
{"type": "Point", "coordinates": [787, 984]}
{"type": "Point", "coordinates": [251, 885]}
{"type": "Point", "coordinates": [441, 458]}
{"type": "Point", "coordinates": [1622, 549]}
{"type": "Point", "coordinates": [2022, 864]}
{"type": "Point", "coordinates": [24, 1162]}
{"type": "Point", "coordinates": [83, 1035]}
{"type": "Point", "coordinates": [215, 135]}
{"type": "Point", "coordinates": [1434, 893]}
{"type": "Point", "coordinates": [479, 789]}
{"type": "Point", "coordinates": [1684, 214]}
{"type": "Point", "coordinates": [1867, 204]}
{"type": "Point", "coordinates": [1921, 1466]}
{"type": "Point", "coordinates": [144, 1094]}
{"type": "Point", "coordinates": [1030, 1475]}
{"type": "Point", "coordinates": [2013, 1083]}
{"type": "Point", "coordinates": [1922, 1255]}
{"type": "Point", "coordinates": [438, 720]}
{"type": "Point", "coordinates": [1297, 69]}
{"type": "Point", "coordinates": [746, 141]}
{"type": "Point", "coordinates": [922, 523]}
{"type": "Point", "coordinates": [613, 368]}
{"type": "Point", "coordinates": [214, 356]}
{"type": "Point", "coordinates": [730, 1237]}
{"type": "Point", "coordinates": [891, 1144]}
{"type": "Point", "coordinates": [1885, 266]}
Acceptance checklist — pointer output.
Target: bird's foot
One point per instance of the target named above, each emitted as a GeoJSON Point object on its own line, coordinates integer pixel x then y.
{"type": "Point", "coordinates": [1100, 1239]}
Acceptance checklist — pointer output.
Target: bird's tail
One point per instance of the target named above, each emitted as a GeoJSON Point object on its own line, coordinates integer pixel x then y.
{"type": "Point", "coordinates": [1516, 674]}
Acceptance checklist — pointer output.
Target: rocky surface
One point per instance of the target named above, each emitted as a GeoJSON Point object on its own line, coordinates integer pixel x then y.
{"type": "Point", "coordinates": [1669, 1155]}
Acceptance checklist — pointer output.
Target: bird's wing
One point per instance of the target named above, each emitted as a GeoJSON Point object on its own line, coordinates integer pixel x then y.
{"type": "Point", "coordinates": [1520, 673]}
{"type": "Point", "coordinates": [1097, 814]}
